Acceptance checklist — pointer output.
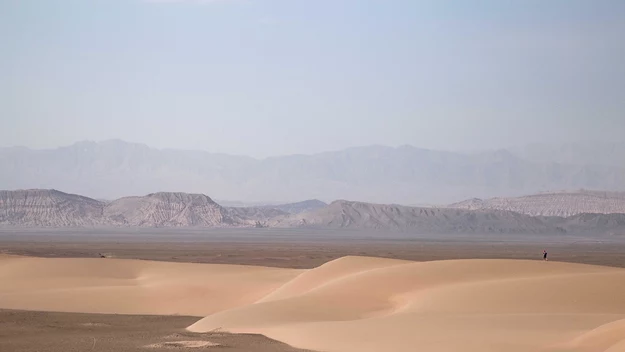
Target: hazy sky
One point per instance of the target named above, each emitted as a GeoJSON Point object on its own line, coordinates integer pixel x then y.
{"type": "Point", "coordinates": [279, 77]}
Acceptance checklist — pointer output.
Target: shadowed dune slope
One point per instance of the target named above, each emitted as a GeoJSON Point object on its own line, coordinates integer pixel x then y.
{"type": "Point", "coordinates": [350, 304]}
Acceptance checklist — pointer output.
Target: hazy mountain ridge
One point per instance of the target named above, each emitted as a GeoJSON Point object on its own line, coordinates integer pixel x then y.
{"type": "Point", "coordinates": [407, 175]}
{"type": "Point", "coordinates": [610, 224]}
{"type": "Point", "coordinates": [358, 215]}
{"type": "Point", "coordinates": [596, 153]}
{"type": "Point", "coordinates": [287, 208]}
{"type": "Point", "coordinates": [346, 214]}
{"type": "Point", "coordinates": [563, 204]}
{"type": "Point", "coordinates": [298, 207]}
{"type": "Point", "coordinates": [253, 215]}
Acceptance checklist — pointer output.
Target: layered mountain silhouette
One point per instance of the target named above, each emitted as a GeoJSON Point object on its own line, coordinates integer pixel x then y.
{"type": "Point", "coordinates": [298, 207]}
{"type": "Point", "coordinates": [583, 153]}
{"type": "Point", "coordinates": [404, 175]}
{"type": "Point", "coordinates": [51, 208]}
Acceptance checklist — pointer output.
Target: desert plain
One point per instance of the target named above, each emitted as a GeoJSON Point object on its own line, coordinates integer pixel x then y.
{"type": "Point", "coordinates": [295, 289]}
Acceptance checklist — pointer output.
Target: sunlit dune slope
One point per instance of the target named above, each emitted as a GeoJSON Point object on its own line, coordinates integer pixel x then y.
{"type": "Point", "coordinates": [350, 304]}
{"type": "Point", "coordinates": [132, 286]}
{"type": "Point", "coordinates": [608, 338]}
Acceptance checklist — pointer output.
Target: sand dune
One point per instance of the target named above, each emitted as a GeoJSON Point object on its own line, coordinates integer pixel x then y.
{"type": "Point", "coordinates": [350, 304]}
{"type": "Point", "coordinates": [608, 337]}
{"type": "Point", "coordinates": [132, 286]}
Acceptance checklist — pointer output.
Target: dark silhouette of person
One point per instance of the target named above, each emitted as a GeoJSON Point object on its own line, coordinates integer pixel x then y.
{"type": "Point", "coordinates": [545, 254]}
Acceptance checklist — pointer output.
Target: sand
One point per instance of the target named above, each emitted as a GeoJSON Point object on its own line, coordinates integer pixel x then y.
{"type": "Point", "coordinates": [127, 286]}
{"type": "Point", "coordinates": [349, 304]}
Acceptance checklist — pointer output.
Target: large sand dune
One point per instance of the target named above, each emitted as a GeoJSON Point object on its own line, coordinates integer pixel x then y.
{"type": "Point", "coordinates": [132, 286]}
{"type": "Point", "coordinates": [350, 304]}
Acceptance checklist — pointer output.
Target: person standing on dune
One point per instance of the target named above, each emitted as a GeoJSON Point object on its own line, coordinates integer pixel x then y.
{"type": "Point", "coordinates": [545, 254]}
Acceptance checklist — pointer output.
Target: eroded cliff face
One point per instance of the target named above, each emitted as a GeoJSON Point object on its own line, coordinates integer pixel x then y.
{"type": "Point", "coordinates": [563, 204]}
{"type": "Point", "coordinates": [167, 210]}
{"type": "Point", "coordinates": [49, 208]}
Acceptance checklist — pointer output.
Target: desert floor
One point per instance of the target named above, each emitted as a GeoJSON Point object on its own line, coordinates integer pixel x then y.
{"type": "Point", "coordinates": [22, 331]}
{"type": "Point", "coordinates": [315, 290]}
{"type": "Point", "coordinates": [299, 249]}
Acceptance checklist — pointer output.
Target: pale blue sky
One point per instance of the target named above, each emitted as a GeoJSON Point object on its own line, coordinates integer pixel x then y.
{"type": "Point", "coordinates": [280, 77]}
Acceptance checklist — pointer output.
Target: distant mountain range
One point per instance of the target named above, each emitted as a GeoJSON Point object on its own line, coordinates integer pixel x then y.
{"type": "Point", "coordinates": [51, 208]}
{"type": "Point", "coordinates": [562, 204]}
{"type": "Point", "coordinates": [404, 175]}
{"type": "Point", "coordinates": [358, 215]}
{"type": "Point", "coordinates": [598, 153]}
{"type": "Point", "coordinates": [298, 207]}
{"type": "Point", "coordinates": [291, 208]}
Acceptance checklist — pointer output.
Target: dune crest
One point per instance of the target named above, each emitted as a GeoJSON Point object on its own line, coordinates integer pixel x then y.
{"type": "Point", "coordinates": [350, 304]}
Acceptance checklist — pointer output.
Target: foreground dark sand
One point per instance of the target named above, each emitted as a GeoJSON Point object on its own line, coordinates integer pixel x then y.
{"type": "Point", "coordinates": [22, 331]}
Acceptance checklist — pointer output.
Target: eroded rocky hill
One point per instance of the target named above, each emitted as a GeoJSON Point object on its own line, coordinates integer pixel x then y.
{"type": "Point", "coordinates": [593, 224]}
{"type": "Point", "coordinates": [49, 208]}
{"type": "Point", "coordinates": [357, 215]}
{"type": "Point", "coordinates": [167, 210]}
{"type": "Point", "coordinates": [563, 204]}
